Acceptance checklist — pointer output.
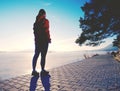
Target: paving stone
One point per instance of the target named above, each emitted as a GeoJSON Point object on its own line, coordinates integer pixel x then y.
{"type": "Point", "coordinates": [13, 89]}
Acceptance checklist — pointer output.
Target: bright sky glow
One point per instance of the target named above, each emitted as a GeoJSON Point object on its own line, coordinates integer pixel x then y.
{"type": "Point", "coordinates": [17, 18]}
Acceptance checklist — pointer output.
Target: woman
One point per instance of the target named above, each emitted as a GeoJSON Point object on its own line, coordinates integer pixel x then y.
{"type": "Point", "coordinates": [42, 39]}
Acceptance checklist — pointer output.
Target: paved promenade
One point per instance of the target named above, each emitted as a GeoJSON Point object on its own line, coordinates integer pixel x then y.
{"type": "Point", "coordinates": [99, 73]}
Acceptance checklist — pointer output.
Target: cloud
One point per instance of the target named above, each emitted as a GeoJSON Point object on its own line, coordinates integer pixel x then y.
{"type": "Point", "coordinates": [47, 4]}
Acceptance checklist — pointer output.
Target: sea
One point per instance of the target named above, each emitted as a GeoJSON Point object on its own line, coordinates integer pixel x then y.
{"type": "Point", "coordinates": [13, 64]}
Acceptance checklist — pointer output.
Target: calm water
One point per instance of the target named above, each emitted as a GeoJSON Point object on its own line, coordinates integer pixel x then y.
{"type": "Point", "coordinates": [14, 64]}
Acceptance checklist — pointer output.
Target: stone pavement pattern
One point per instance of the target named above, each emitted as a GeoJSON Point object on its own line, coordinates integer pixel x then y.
{"type": "Point", "coordinates": [99, 73]}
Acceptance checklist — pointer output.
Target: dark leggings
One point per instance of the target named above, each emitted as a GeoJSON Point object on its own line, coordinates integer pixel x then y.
{"type": "Point", "coordinates": [40, 48]}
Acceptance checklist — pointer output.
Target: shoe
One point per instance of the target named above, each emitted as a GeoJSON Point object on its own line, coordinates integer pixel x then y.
{"type": "Point", "coordinates": [35, 73]}
{"type": "Point", "coordinates": [44, 71]}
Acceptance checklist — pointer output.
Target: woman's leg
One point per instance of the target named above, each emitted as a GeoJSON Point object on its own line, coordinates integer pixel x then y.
{"type": "Point", "coordinates": [43, 55]}
{"type": "Point", "coordinates": [35, 57]}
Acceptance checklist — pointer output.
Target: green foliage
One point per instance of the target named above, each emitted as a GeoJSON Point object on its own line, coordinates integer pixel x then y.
{"type": "Point", "coordinates": [101, 20]}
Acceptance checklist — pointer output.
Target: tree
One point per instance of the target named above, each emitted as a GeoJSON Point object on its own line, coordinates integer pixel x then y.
{"type": "Point", "coordinates": [101, 20]}
{"type": "Point", "coordinates": [116, 42]}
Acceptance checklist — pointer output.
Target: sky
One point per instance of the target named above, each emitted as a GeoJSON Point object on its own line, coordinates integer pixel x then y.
{"type": "Point", "coordinates": [18, 16]}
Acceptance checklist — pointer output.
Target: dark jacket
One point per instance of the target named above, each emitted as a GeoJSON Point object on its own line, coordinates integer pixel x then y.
{"type": "Point", "coordinates": [41, 31]}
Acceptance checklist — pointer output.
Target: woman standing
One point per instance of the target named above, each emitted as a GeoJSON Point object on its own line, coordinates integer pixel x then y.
{"type": "Point", "coordinates": [42, 40]}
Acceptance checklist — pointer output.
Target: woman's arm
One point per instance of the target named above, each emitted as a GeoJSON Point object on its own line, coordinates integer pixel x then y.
{"type": "Point", "coordinates": [46, 26]}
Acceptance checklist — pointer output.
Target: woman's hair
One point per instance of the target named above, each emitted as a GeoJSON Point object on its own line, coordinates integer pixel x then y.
{"type": "Point", "coordinates": [41, 13]}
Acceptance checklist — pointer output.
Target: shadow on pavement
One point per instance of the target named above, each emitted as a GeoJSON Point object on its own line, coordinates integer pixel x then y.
{"type": "Point", "coordinates": [33, 83]}
{"type": "Point", "coordinates": [45, 79]}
